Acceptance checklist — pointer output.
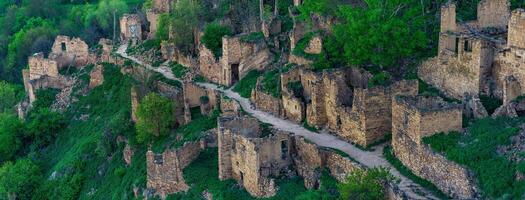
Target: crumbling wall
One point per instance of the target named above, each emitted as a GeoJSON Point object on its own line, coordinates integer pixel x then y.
{"type": "Point", "coordinates": [96, 76]}
{"type": "Point", "coordinates": [266, 102]}
{"type": "Point", "coordinates": [308, 162]}
{"type": "Point", "coordinates": [176, 96]}
{"type": "Point", "coordinates": [418, 117]}
{"type": "Point", "coordinates": [516, 27]}
{"type": "Point", "coordinates": [447, 41]}
{"type": "Point", "coordinates": [70, 51]}
{"type": "Point", "coordinates": [40, 66]}
{"type": "Point", "coordinates": [340, 166]}
{"type": "Point", "coordinates": [493, 13]}
{"type": "Point", "coordinates": [209, 66]}
{"type": "Point", "coordinates": [164, 171]}
{"type": "Point", "coordinates": [130, 28]}
{"type": "Point", "coordinates": [229, 107]}
{"type": "Point", "coordinates": [293, 108]}
{"type": "Point", "coordinates": [106, 49]}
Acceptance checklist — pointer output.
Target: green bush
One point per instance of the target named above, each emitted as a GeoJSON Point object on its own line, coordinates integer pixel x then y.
{"type": "Point", "coordinates": [9, 95]}
{"type": "Point", "coordinates": [212, 37]}
{"type": "Point", "coordinates": [43, 126]}
{"type": "Point", "coordinates": [19, 179]}
{"type": "Point", "coordinates": [245, 86]}
{"type": "Point", "coordinates": [379, 79]}
{"type": "Point", "coordinates": [44, 98]}
{"type": "Point", "coordinates": [271, 83]}
{"type": "Point", "coordinates": [11, 130]}
{"type": "Point", "coordinates": [178, 70]}
{"type": "Point", "coordinates": [152, 108]}
{"type": "Point", "coordinates": [365, 184]}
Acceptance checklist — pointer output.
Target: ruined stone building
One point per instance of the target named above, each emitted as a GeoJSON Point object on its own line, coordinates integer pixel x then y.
{"type": "Point", "coordinates": [337, 99]}
{"type": "Point", "coordinates": [164, 171]}
{"type": "Point", "coordinates": [248, 157]}
{"type": "Point", "coordinates": [238, 58]}
{"type": "Point", "coordinates": [252, 157]}
{"type": "Point", "coordinates": [159, 7]}
{"type": "Point", "coordinates": [131, 28]}
{"type": "Point", "coordinates": [68, 51]}
{"type": "Point", "coordinates": [484, 56]}
{"type": "Point", "coordinates": [414, 118]}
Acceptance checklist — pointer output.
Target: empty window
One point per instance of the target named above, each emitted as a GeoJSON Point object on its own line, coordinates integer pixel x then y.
{"type": "Point", "coordinates": [63, 46]}
{"type": "Point", "coordinates": [284, 149]}
{"type": "Point", "coordinates": [467, 46]}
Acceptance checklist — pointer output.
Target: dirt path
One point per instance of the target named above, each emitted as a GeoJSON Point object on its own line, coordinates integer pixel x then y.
{"type": "Point", "coordinates": [367, 158]}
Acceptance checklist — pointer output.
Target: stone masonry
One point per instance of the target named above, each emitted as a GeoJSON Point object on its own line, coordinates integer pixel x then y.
{"type": "Point", "coordinates": [484, 56]}
{"type": "Point", "coordinates": [414, 118]}
{"type": "Point", "coordinates": [131, 28]}
{"type": "Point", "coordinates": [68, 51]}
{"type": "Point", "coordinates": [164, 171]}
{"type": "Point", "coordinates": [238, 58]}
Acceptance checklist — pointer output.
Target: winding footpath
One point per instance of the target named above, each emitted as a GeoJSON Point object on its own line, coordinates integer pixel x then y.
{"type": "Point", "coordinates": [367, 158]}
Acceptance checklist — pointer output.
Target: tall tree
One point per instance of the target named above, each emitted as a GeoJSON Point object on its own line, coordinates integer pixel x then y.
{"type": "Point", "coordinates": [11, 129]}
{"type": "Point", "coordinates": [19, 180]}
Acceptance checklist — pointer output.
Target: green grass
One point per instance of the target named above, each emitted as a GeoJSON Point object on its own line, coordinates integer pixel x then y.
{"type": "Point", "coordinates": [478, 150]}
{"type": "Point", "coordinates": [178, 70]}
{"type": "Point", "coordinates": [427, 90]}
{"type": "Point", "coordinates": [389, 156]}
{"type": "Point", "coordinates": [271, 83]}
{"type": "Point", "coordinates": [81, 154]}
{"type": "Point", "coordinates": [253, 37]}
{"type": "Point", "coordinates": [245, 86]}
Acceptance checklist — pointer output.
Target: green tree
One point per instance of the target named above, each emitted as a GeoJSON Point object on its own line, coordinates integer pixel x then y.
{"type": "Point", "coordinates": [11, 128]}
{"type": "Point", "coordinates": [163, 27]}
{"type": "Point", "coordinates": [8, 96]}
{"type": "Point", "coordinates": [154, 117]}
{"type": "Point", "coordinates": [380, 34]}
{"type": "Point", "coordinates": [185, 18]}
{"type": "Point", "coordinates": [212, 37]}
{"type": "Point", "coordinates": [44, 125]}
{"type": "Point", "coordinates": [105, 9]}
{"type": "Point", "coordinates": [365, 184]}
{"type": "Point", "coordinates": [19, 180]}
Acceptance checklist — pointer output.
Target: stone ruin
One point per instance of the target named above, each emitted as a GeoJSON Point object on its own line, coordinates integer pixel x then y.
{"type": "Point", "coordinates": [238, 58]}
{"type": "Point", "coordinates": [414, 118]}
{"type": "Point", "coordinates": [338, 100]}
{"type": "Point", "coordinates": [68, 51]}
{"type": "Point", "coordinates": [252, 157]}
{"type": "Point", "coordinates": [485, 56]}
{"type": "Point", "coordinates": [131, 28]}
{"type": "Point", "coordinates": [159, 7]}
{"type": "Point", "coordinates": [164, 171]}
{"type": "Point", "coordinates": [189, 96]}
{"type": "Point", "coordinates": [96, 76]}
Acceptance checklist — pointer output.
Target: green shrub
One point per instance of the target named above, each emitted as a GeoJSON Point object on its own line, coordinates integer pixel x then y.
{"type": "Point", "coordinates": [120, 172]}
{"type": "Point", "coordinates": [45, 98]}
{"type": "Point", "coordinates": [365, 184]}
{"type": "Point", "coordinates": [10, 94]}
{"type": "Point", "coordinates": [212, 37]}
{"type": "Point", "coordinates": [271, 83]}
{"type": "Point", "coordinates": [21, 178]}
{"type": "Point", "coordinates": [11, 130]}
{"type": "Point", "coordinates": [245, 86]}
{"type": "Point", "coordinates": [379, 79]}
{"type": "Point", "coordinates": [152, 108]}
{"type": "Point", "coordinates": [178, 70]}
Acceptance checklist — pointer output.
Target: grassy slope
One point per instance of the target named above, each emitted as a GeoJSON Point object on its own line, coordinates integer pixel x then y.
{"type": "Point", "coordinates": [478, 151]}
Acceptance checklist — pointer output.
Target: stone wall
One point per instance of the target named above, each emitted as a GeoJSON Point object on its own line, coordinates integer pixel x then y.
{"type": "Point", "coordinates": [169, 52]}
{"type": "Point", "coordinates": [266, 102]}
{"type": "Point", "coordinates": [308, 161]}
{"type": "Point", "coordinates": [229, 107]}
{"type": "Point", "coordinates": [164, 171]}
{"type": "Point", "coordinates": [340, 166]}
{"type": "Point", "coordinates": [418, 117]}
{"type": "Point", "coordinates": [70, 51]}
{"type": "Point", "coordinates": [250, 159]}
{"type": "Point", "coordinates": [130, 28]}
{"type": "Point", "coordinates": [493, 13]}
{"type": "Point", "coordinates": [96, 76]}
{"type": "Point", "coordinates": [106, 49]}
{"type": "Point", "coordinates": [40, 66]}
{"type": "Point", "coordinates": [176, 96]}
{"type": "Point", "coordinates": [209, 66]}
{"type": "Point", "coordinates": [516, 27]}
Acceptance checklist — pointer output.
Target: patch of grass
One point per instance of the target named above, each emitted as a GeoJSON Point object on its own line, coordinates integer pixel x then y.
{"type": "Point", "coordinates": [308, 127]}
{"type": "Point", "coordinates": [160, 77]}
{"type": "Point", "coordinates": [427, 90]}
{"type": "Point", "coordinates": [178, 70]}
{"type": "Point", "coordinates": [271, 83]}
{"type": "Point", "coordinates": [252, 37]}
{"type": "Point", "coordinates": [490, 103]}
{"type": "Point", "coordinates": [245, 86]}
{"type": "Point", "coordinates": [199, 79]}
{"type": "Point", "coordinates": [478, 150]}
{"type": "Point", "coordinates": [389, 156]}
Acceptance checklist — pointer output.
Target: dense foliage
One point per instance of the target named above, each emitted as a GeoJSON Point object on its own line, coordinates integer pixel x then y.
{"type": "Point", "coordinates": [151, 110]}
{"type": "Point", "coordinates": [20, 179]}
{"type": "Point", "coordinates": [212, 37]}
{"type": "Point", "coordinates": [365, 184]}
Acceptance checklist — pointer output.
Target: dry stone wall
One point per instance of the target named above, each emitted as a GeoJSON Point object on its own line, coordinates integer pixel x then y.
{"type": "Point", "coordinates": [417, 117]}
{"type": "Point", "coordinates": [164, 171]}
{"type": "Point", "coordinates": [70, 51]}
